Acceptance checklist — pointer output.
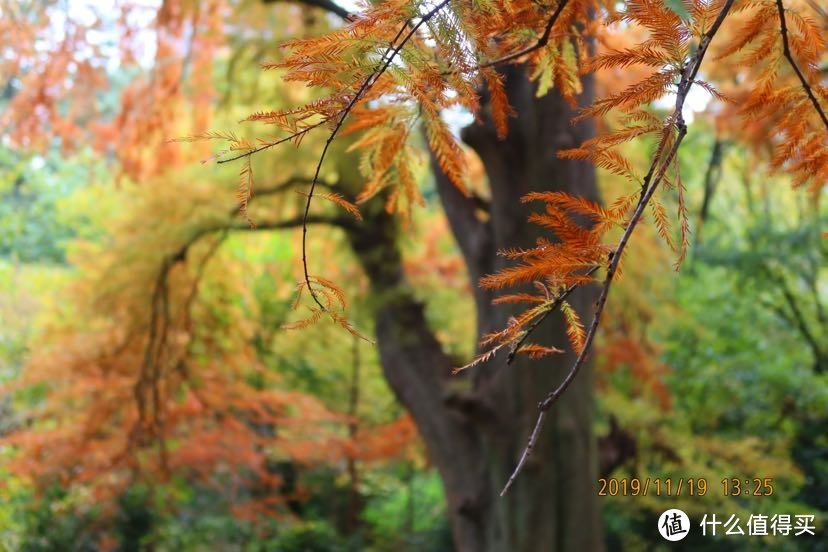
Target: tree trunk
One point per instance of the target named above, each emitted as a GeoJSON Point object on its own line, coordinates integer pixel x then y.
{"type": "Point", "coordinates": [476, 425]}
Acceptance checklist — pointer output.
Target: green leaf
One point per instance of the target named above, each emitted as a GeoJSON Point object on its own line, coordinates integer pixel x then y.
{"type": "Point", "coordinates": [678, 8]}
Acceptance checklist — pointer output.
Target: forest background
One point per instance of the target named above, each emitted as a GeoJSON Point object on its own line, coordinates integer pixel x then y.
{"type": "Point", "coordinates": [292, 439]}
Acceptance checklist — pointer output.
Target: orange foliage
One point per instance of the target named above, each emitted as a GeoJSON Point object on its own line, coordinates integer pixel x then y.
{"type": "Point", "coordinates": [448, 55]}
{"type": "Point", "coordinates": [624, 350]}
{"type": "Point", "coordinates": [398, 64]}
{"type": "Point", "coordinates": [142, 390]}
{"type": "Point", "coordinates": [770, 108]}
{"type": "Point", "coordinates": [61, 69]}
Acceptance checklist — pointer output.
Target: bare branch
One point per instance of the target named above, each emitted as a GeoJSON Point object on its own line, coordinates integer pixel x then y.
{"type": "Point", "coordinates": [797, 317]}
{"type": "Point", "coordinates": [711, 178]}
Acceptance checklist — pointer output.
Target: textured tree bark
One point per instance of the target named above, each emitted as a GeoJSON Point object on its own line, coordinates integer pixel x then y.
{"type": "Point", "coordinates": [417, 369]}
{"type": "Point", "coordinates": [475, 426]}
{"type": "Point", "coordinates": [553, 506]}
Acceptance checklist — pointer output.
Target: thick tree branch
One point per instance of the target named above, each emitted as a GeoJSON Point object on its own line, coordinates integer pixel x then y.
{"type": "Point", "coordinates": [294, 136]}
{"type": "Point", "coordinates": [820, 10]}
{"type": "Point", "coordinates": [291, 183]}
{"type": "Point", "coordinates": [339, 221]}
{"type": "Point", "coordinates": [471, 231]}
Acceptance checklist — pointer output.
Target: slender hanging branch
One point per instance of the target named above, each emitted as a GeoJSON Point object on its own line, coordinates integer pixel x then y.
{"type": "Point", "coordinates": [388, 57]}
{"type": "Point", "coordinates": [783, 27]}
{"type": "Point", "coordinates": [655, 175]}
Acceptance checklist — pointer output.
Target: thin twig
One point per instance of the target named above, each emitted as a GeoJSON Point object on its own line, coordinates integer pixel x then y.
{"type": "Point", "coordinates": [821, 11]}
{"type": "Point", "coordinates": [552, 307]}
{"type": "Point", "coordinates": [787, 50]}
{"type": "Point", "coordinates": [271, 144]}
{"type": "Point", "coordinates": [658, 168]}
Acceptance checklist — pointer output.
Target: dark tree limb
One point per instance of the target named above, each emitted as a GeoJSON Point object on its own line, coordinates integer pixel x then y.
{"type": "Point", "coordinates": [418, 370]}
{"type": "Point", "coordinates": [711, 180]}
{"type": "Point", "coordinates": [146, 389]}
{"type": "Point", "coordinates": [352, 517]}
{"type": "Point", "coordinates": [615, 449]}
{"type": "Point", "coordinates": [290, 184]}
{"type": "Point", "coordinates": [796, 317]}
{"type": "Point", "coordinates": [473, 234]}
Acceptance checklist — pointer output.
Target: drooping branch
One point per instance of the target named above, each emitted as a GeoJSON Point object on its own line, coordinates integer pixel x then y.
{"type": "Point", "coordinates": [783, 28]}
{"type": "Point", "coordinates": [181, 365]}
{"type": "Point", "coordinates": [160, 320]}
{"type": "Point", "coordinates": [658, 168]}
{"type": "Point", "coordinates": [406, 32]}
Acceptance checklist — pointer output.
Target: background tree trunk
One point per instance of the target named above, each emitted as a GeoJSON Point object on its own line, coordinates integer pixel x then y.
{"type": "Point", "coordinates": [475, 426]}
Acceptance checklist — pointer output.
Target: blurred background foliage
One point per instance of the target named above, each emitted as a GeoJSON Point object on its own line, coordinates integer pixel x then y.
{"type": "Point", "coordinates": [713, 372]}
